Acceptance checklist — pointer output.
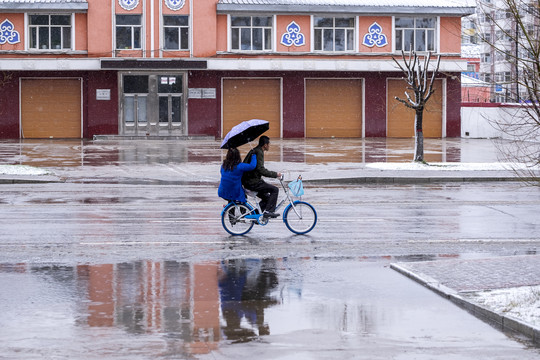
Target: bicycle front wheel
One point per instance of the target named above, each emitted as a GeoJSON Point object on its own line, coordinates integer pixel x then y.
{"type": "Point", "coordinates": [234, 221]}
{"type": "Point", "coordinates": [300, 217]}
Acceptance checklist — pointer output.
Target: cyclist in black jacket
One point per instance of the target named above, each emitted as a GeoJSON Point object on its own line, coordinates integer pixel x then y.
{"type": "Point", "coordinates": [252, 180]}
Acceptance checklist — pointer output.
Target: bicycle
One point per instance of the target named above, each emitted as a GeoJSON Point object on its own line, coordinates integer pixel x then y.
{"type": "Point", "coordinates": [299, 216]}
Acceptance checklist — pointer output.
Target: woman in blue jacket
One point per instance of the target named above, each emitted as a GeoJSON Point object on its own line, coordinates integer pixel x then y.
{"type": "Point", "coordinates": [230, 187]}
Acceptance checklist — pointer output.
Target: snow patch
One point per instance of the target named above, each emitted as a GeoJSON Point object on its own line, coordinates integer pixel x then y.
{"type": "Point", "coordinates": [521, 303]}
{"type": "Point", "coordinates": [445, 166]}
{"type": "Point", "coordinates": [22, 170]}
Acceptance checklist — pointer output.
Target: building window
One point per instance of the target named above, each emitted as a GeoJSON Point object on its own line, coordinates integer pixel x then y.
{"type": "Point", "coordinates": [251, 33]}
{"type": "Point", "coordinates": [175, 32]}
{"type": "Point", "coordinates": [333, 34]}
{"type": "Point", "coordinates": [415, 33]}
{"type": "Point", "coordinates": [128, 32]}
{"type": "Point", "coordinates": [50, 32]}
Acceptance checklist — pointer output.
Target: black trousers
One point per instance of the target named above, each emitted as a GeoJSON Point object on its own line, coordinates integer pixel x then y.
{"type": "Point", "coordinates": [268, 194]}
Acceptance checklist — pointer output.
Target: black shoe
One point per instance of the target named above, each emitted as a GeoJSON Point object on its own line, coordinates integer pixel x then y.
{"type": "Point", "coordinates": [268, 214]}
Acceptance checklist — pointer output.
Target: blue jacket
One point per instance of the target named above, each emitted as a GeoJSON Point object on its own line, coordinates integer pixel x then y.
{"type": "Point", "coordinates": [230, 187]}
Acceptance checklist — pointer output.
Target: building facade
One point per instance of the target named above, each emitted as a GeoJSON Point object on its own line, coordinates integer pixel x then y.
{"type": "Point", "coordinates": [317, 68]}
{"type": "Point", "coordinates": [503, 48]}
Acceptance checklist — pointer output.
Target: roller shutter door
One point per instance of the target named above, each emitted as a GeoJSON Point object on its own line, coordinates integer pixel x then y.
{"type": "Point", "coordinates": [333, 108]}
{"type": "Point", "coordinates": [51, 108]}
{"type": "Point", "coordinates": [245, 99]}
{"type": "Point", "coordinates": [401, 118]}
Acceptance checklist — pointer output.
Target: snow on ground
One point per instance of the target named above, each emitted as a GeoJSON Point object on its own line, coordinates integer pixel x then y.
{"type": "Point", "coordinates": [446, 166]}
{"type": "Point", "coordinates": [22, 170]}
{"type": "Point", "coordinates": [411, 166]}
{"type": "Point", "coordinates": [522, 303]}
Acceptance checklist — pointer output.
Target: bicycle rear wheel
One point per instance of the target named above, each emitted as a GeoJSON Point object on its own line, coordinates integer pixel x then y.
{"type": "Point", "coordinates": [301, 218]}
{"type": "Point", "coordinates": [234, 221]}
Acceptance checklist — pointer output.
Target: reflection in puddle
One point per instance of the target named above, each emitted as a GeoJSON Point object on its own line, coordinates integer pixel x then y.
{"type": "Point", "coordinates": [245, 287]}
{"type": "Point", "coordinates": [75, 153]}
{"type": "Point", "coordinates": [185, 310]}
{"type": "Point", "coordinates": [195, 305]}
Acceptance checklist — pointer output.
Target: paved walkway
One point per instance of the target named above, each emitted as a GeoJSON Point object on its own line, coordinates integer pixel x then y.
{"type": "Point", "coordinates": [455, 279]}
{"type": "Point", "coordinates": [318, 160]}
{"type": "Point", "coordinates": [481, 274]}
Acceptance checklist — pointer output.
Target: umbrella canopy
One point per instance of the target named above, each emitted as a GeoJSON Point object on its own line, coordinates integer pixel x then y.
{"type": "Point", "coordinates": [245, 132]}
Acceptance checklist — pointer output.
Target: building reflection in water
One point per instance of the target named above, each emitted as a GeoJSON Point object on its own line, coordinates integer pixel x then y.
{"type": "Point", "coordinates": [76, 153]}
{"type": "Point", "coordinates": [193, 308]}
{"type": "Point", "coordinates": [196, 304]}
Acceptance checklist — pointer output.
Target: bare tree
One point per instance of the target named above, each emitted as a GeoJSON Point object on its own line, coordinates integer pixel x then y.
{"type": "Point", "coordinates": [418, 81]}
{"type": "Point", "coordinates": [511, 29]}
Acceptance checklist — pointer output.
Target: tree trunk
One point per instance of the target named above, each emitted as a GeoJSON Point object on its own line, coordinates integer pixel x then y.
{"type": "Point", "coordinates": [419, 137]}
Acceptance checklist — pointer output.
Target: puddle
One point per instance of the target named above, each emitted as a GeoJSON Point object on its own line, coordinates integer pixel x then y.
{"type": "Point", "coordinates": [78, 153]}
{"type": "Point", "coordinates": [148, 309]}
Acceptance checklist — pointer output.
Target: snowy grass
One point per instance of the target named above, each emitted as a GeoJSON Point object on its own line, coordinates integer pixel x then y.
{"type": "Point", "coordinates": [22, 170]}
{"type": "Point", "coordinates": [522, 303]}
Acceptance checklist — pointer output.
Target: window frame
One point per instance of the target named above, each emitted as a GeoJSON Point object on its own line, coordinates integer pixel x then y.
{"type": "Point", "coordinates": [350, 45]}
{"type": "Point", "coordinates": [34, 31]}
{"type": "Point", "coordinates": [267, 34]}
{"type": "Point", "coordinates": [132, 32]}
{"type": "Point", "coordinates": [183, 37]}
{"type": "Point", "coordinates": [415, 29]}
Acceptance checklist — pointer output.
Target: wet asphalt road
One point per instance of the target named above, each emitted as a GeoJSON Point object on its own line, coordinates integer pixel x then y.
{"type": "Point", "coordinates": [146, 271]}
{"type": "Point", "coordinates": [498, 218]}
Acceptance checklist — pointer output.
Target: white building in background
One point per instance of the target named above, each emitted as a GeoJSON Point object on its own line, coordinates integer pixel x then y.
{"type": "Point", "coordinates": [496, 28]}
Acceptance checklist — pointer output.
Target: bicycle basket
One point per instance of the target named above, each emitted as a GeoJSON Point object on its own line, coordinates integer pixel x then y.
{"type": "Point", "coordinates": [296, 187]}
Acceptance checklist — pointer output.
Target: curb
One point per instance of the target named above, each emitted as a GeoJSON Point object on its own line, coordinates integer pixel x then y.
{"type": "Point", "coordinates": [407, 180]}
{"type": "Point", "coordinates": [328, 181]}
{"type": "Point", "coordinates": [35, 180]}
{"type": "Point", "coordinates": [502, 321]}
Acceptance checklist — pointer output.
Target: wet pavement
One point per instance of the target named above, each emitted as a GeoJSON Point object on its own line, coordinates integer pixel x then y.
{"type": "Point", "coordinates": [322, 160]}
{"type": "Point", "coordinates": [127, 270]}
{"type": "Point", "coordinates": [264, 308]}
{"type": "Point", "coordinates": [460, 279]}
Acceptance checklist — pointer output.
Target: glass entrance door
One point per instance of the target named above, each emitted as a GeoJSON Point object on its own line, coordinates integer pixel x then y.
{"type": "Point", "coordinates": [152, 105]}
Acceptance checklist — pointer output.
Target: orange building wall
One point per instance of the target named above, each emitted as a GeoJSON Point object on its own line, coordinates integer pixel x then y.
{"type": "Point", "coordinates": [150, 51]}
{"type": "Point", "coordinates": [204, 28]}
{"type": "Point", "coordinates": [81, 24]}
{"type": "Point", "coordinates": [209, 30]}
{"type": "Point", "coordinates": [281, 28]}
{"type": "Point", "coordinates": [18, 23]}
{"type": "Point", "coordinates": [221, 29]}
{"type": "Point", "coordinates": [364, 22]}
{"type": "Point", "coordinates": [99, 27]}
{"type": "Point", "coordinates": [450, 35]}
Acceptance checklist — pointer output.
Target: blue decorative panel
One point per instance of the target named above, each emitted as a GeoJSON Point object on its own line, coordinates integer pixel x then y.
{"type": "Point", "coordinates": [375, 36]}
{"type": "Point", "coordinates": [128, 4]}
{"type": "Point", "coordinates": [175, 4]}
{"type": "Point", "coordinates": [8, 33]}
{"type": "Point", "coordinates": [293, 36]}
